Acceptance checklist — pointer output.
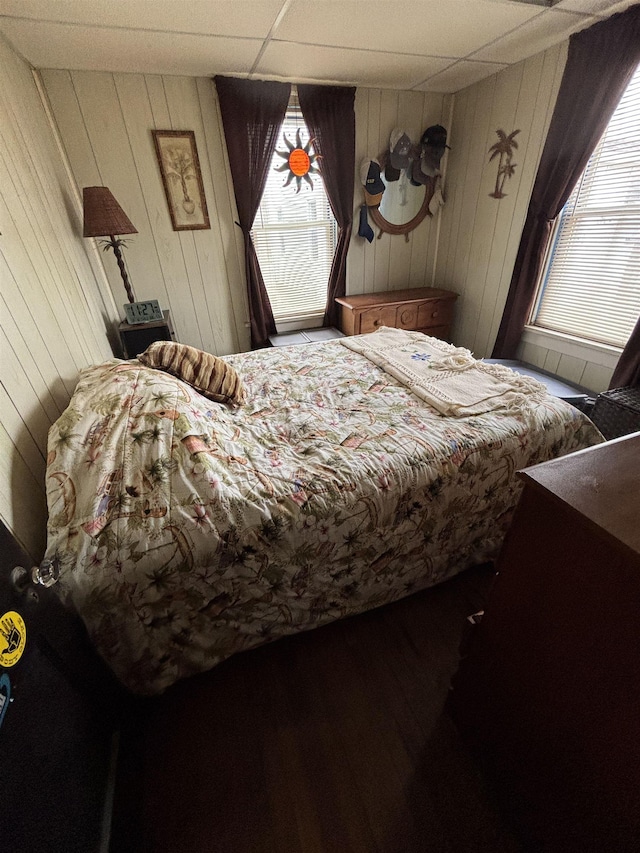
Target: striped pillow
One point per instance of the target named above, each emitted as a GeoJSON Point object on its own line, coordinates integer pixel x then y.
{"type": "Point", "coordinates": [209, 375]}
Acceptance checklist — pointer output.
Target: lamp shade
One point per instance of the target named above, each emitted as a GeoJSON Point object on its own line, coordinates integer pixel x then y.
{"type": "Point", "coordinates": [103, 216]}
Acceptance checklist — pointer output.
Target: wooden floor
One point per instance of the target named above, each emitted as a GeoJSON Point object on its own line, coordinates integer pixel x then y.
{"type": "Point", "coordinates": [333, 740]}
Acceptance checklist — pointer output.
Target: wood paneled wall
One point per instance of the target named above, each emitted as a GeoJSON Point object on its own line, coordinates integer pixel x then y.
{"type": "Point", "coordinates": [105, 121]}
{"type": "Point", "coordinates": [391, 263]}
{"type": "Point", "coordinates": [480, 235]}
{"type": "Point", "coordinates": [53, 319]}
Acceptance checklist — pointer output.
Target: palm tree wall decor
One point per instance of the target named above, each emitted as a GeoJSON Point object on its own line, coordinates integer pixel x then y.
{"type": "Point", "coordinates": [503, 148]}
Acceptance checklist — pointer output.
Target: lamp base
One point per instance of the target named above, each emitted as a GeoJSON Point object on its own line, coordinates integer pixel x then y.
{"type": "Point", "coordinates": [115, 244]}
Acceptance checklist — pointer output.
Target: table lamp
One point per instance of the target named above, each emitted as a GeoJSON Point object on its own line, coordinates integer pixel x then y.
{"type": "Point", "coordinates": [103, 217]}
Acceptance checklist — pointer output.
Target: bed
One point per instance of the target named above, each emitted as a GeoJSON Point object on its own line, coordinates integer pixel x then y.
{"type": "Point", "coordinates": [187, 530]}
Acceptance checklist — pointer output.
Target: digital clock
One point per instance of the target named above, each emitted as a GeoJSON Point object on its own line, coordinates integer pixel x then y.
{"type": "Point", "coordinates": [143, 312]}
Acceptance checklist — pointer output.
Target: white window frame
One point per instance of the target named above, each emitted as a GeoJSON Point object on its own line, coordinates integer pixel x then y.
{"type": "Point", "coordinates": [571, 345]}
{"type": "Point", "coordinates": [308, 320]}
{"type": "Point", "coordinates": [560, 341]}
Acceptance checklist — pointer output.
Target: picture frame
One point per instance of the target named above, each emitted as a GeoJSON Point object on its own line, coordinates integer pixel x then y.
{"type": "Point", "coordinates": [182, 180]}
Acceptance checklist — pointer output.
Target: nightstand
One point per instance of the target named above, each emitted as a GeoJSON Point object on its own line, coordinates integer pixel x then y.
{"type": "Point", "coordinates": [417, 309]}
{"type": "Point", "coordinates": [136, 338]}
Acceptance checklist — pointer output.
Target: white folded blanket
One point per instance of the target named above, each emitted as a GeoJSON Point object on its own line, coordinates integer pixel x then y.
{"type": "Point", "coordinates": [448, 378]}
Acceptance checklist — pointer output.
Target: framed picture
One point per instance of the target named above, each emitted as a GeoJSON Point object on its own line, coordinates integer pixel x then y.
{"type": "Point", "coordinates": [180, 170]}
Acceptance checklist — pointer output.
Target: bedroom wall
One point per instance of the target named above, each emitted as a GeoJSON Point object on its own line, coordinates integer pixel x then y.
{"type": "Point", "coordinates": [53, 318]}
{"type": "Point", "coordinates": [105, 122]}
{"type": "Point", "coordinates": [480, 235]}
{"type": "Point", "coordinates": [391, 263]}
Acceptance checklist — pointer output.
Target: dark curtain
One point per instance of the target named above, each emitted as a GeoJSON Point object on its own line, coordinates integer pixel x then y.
{"type": "Point", "coordinates": [252, 114]}
{"type": "Point", "coordinates": [627, 370]}
{"type": "Point", "coordinates": [328, 113]}
{"type": "Point", "coordinates": [600, 64]}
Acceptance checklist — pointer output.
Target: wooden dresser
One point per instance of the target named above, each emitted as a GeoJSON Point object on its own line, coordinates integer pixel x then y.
{"type": "Point", "coordinates": [548, 695]}
{"type": "Point", "coordinates": [420, 309]}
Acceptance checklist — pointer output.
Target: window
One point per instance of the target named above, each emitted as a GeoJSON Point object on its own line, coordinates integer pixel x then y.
{"type": "Point", "coordinates": [294, 234]}
{"type": "Point", "coordinates": [591, 283]}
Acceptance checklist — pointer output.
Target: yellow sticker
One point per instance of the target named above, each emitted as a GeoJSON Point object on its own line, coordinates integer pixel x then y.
{"type": "Point", "coordinates": [13, 638]}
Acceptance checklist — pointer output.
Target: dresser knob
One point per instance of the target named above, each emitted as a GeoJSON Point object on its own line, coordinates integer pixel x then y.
{"type": "Point", "coordinates": [377, 322]}
{"type": "Point", "coordinates": [434, 315]}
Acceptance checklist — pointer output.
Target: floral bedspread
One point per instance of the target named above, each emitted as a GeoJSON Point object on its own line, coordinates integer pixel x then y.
{"type": "Point", "coordinates": [187, 530]}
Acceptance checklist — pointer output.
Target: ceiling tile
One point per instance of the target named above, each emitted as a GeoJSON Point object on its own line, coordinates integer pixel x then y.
{"type": "Point", "coordinates": [533, 37]}
{"type": "Point", "coordinates": [445, 28]}
{"type": "Point", "coordinates": [460, 75]}
{"type": "Point", "coordinates": [95, 49]}
{"type": "Point", "coordinates": [246, 18]}
{"type": "Point", "coordinates": [381, 43]}
{"type": "Point", "coordinates": [302, 62]}
{"type": "Point", "coordinates": [595, 7]}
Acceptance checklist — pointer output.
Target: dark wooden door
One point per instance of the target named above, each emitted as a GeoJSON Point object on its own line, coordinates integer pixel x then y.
{"type": "Point", "coordinates": [58, 716]}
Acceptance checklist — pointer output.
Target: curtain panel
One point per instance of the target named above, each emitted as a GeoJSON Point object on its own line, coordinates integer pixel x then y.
{"type": "Point", "coordinates": [600, 64]}
{"type": "Point", "coordinates": [252, 114]}
{"type": "Point", "coordinates": [627, 372]}
{"type": "Point", "coordinates": [329, 115]}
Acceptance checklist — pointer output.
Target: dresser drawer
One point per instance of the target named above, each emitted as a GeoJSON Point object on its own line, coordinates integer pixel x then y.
{"type": "Point", "coordinates": [407, 316]}
{"type": "Point", "coordinates": [436, 312]}
{"type": "Point", "coordinates": [372, 318]}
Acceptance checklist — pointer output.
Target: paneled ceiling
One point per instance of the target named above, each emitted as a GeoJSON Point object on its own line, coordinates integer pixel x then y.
{"type": "Point", "coordinates": [426, 45]}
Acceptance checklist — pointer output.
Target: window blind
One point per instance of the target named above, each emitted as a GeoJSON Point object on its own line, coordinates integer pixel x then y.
{"type": "Point", "coordinates": [591, 284]}
{"type": "Point", "coordinates": [294, 234]}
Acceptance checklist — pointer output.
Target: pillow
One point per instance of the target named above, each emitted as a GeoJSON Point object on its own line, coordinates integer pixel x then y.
{"type": "Point", "coordinates": [209, 375]}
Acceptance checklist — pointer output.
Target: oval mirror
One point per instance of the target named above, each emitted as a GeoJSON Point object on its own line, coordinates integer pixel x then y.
{"type": "Point", "coordinates": [403, 205]}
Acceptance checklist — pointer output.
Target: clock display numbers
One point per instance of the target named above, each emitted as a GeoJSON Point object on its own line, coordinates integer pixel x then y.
{"type": "Point", "coordinates": [143, 312]}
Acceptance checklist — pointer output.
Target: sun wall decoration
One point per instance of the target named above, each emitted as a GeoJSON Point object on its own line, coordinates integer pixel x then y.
{"type": "Point", "coordinates": [300, 162]}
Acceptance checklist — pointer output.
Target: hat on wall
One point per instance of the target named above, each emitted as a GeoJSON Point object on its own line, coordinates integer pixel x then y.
{"type": "Point", "coordinates": [418, 175]}
{"type": "Point", "coordinates": [399, 148]}
{"type": "Point", "coordinates": [433, 143]}
{"type": "Point", "coordinates": [436, 136]}
{"type": "Point", "coordinates": [390, 174]}
{"type": "Point", "coordinates": [372, 182]}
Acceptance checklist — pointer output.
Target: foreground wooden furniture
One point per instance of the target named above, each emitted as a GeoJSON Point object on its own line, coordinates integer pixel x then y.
{"type": "Point", "coordinates": [420, 309]}
{"type": "Point", "coordinates": [548, 696]}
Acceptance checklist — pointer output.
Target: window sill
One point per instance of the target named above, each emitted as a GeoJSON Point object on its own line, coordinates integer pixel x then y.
{"type": "Point", "coordinates": [603, 354]}
{"type": "Point", "coordinates": [304, 321]}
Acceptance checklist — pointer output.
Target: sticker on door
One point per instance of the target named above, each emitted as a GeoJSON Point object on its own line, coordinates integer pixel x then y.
{"type": "Point", "coordinates": [13, 638]}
